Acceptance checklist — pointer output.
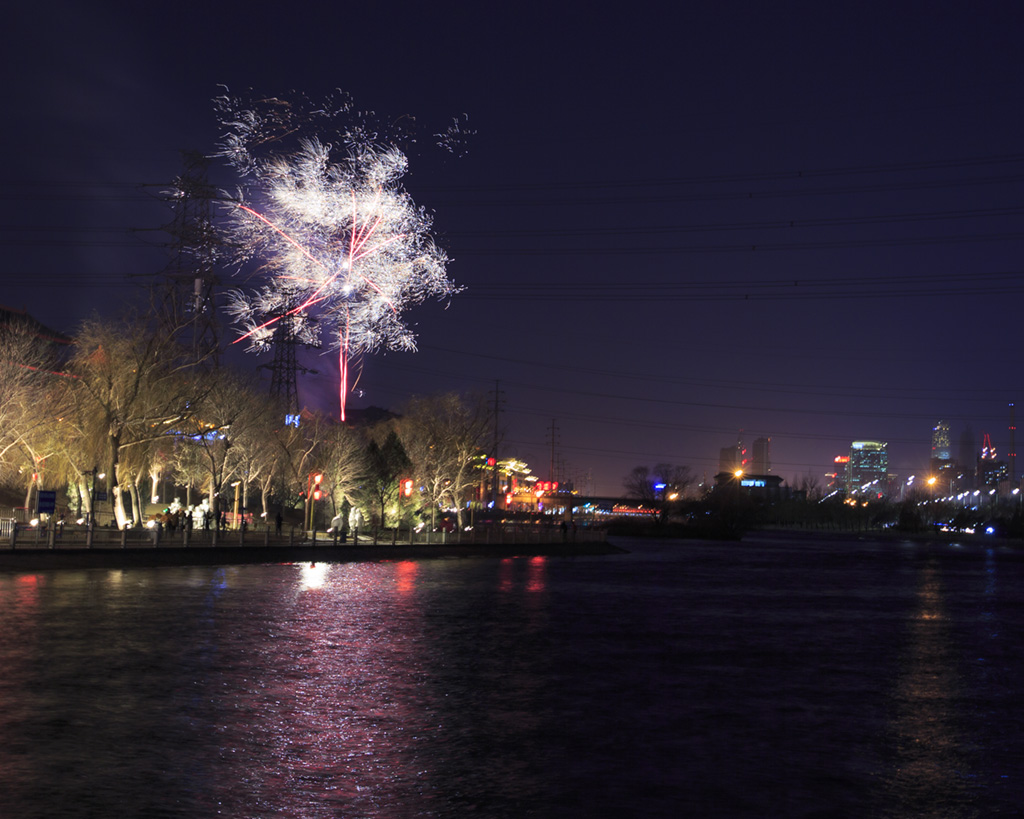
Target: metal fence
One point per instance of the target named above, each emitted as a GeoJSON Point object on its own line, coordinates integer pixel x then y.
{"type": "Point", "coordinates": [19, 535]}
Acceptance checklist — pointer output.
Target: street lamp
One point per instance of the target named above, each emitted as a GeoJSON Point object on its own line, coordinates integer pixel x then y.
{"type": "Point", "coordinates": [314, 496]}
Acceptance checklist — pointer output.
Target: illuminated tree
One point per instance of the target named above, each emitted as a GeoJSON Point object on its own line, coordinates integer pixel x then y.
{"type": "Point", "coordinates": [443, 436]}
{"type": "Point", "coordinates": [344, 465]}
{"type": "Point", "coordinates": [132, 383]}
{"type": "Point", "coordinates": [255, 458]}
{"type": "Point", "coordinates": [29, 399]}
{"type": "Point", "coordinates": [216, 422]}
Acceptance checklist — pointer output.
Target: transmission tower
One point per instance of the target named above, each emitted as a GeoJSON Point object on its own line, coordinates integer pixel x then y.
{"type": "Point", "coordinates": [291, 330]}
{"type": "Point", "coordinates": [284, 368]}
{"type": "Point", "coordinates": [187, 301]}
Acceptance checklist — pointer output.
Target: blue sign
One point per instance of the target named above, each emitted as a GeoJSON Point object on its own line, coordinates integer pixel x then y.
{"type": "Point", "coordinates": [47, 501]}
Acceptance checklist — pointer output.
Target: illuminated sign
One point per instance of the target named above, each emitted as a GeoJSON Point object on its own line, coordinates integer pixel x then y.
{"type": "Point", "coordinates": [753, 482]}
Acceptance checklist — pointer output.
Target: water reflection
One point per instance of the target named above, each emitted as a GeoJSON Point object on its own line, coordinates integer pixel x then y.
{"type": "Point", "coordinates": [537, 578]}
{"type": "Point", "coordinates": [526, 687]}
{"type": "Point", "coordinates": [405, 576]}
{"type": "Point", "coordinates": [927, 779]}
{"type": "Point", "coordinates": [325, 712]}
{"type": "Point", "coordinates": [314, 576]}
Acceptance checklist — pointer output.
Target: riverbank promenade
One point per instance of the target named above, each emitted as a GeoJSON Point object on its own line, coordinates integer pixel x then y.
{"type": "Point", "coordinates": [28, 549]}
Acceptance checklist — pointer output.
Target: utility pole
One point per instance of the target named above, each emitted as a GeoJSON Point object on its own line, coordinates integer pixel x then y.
{"type": "Point", "coordinates": [554, 434]}
{"type": "Point", "coordinates": [188, 301]}
{"type": "Point", "coordinates": [498, 401]}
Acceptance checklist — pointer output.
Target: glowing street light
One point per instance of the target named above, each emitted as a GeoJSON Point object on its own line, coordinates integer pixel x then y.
{"type": "Point", "coordinates": [315, 494]}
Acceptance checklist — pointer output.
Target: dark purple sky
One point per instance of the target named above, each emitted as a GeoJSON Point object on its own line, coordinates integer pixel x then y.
{"type": "Point", "coordinates": [797, 221]}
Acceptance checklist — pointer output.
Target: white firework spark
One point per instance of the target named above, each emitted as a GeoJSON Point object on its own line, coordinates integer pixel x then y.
{"type": "Point", "coordinates": [341, 238]}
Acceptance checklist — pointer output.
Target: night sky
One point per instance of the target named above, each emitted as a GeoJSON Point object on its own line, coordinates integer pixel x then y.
{"type": "Point", "coordinates": [673, 230]}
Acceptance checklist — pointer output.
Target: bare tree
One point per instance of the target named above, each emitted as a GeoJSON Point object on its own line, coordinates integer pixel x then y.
{"type": "Point", "coordinates": [811, 485]}
{"type": "Point", "coordinates": [28, 391]}
{"type": "Point", "coordinates": [211, 429]}
{"type": "Point", "coordinates": [344, 464]}
{"type": "Point", "coordinates": [255, 460]}
{"type": "Point", "coordinates": [300, 453]}
{"type": "Point", "coordinates": [673, 480]}
{"type": "Point", "coordinates": [639, 485]}
{"type": "Point", "coordinates": [133, 383]}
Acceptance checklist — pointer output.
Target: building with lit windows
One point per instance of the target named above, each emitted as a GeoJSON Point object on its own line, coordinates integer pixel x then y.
{"type": "Point", "coordinates": [867, 470]}
{"type": "Point", "coordinates": [940, 442]}
{"type": "Point", "coordinates": [990, 471]}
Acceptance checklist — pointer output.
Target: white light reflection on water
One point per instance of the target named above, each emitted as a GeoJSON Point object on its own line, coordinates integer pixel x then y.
{"type": "Point", "coordinates": [928, 762]}
{"type": "Point", "coordinates": [313, 575]}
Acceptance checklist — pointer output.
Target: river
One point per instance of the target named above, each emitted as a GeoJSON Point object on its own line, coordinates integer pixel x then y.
{"type": "Point", "coordinates": [779, 676]}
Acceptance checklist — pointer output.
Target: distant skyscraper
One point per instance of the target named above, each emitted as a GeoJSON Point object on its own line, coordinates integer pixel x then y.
{"type": "Point", "coordinates": [990, 470]}
{"type": "Point", "coordinates": [940, 442]}
{"type": "Point", "coordinates": [869, 462]}
{"type": "Point", "coordinates": [728, 459]}
{"type": "Point", "coordinates": [731, 458]}
{"type": "Point", "coordinates": [761, 461]}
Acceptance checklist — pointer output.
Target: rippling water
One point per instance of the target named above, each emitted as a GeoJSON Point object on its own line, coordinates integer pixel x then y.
{"type": "Point", "coordinates": [766, 678]}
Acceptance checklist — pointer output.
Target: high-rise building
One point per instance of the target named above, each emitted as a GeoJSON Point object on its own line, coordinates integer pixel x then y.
{"type": "Point", "coordinates": [731, 458]}
{"type": "Point", "coordinates": [868, 469]}
{"type": "Point", "coordinates": [940, 442]}
{"type": "Point", "coordinates": [760, 460]}
{"type": "Point", "coordinates": [990, 469]}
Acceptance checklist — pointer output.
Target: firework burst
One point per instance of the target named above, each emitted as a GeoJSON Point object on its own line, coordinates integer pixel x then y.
{"type": "Point", "coordinates": [335, 233]}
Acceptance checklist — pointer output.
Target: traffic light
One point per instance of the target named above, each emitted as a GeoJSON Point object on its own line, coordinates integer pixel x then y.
{"type": "Point", "coordinates": [316, 494]}
{"type": "Point", "coordinates": [407, 487]}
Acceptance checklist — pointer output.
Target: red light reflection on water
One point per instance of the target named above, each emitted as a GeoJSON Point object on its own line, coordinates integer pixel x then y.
{"type": "Point", "coordinates": [26, 591]}
{"type": "Point", "coordinates": [506, 575]}
{"type": "Point", "coordinates": [536, 580]}
{"type": "Point", "coordinates": [405, 576]}
{"type": "Point", "coordinates": [536, 574]}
